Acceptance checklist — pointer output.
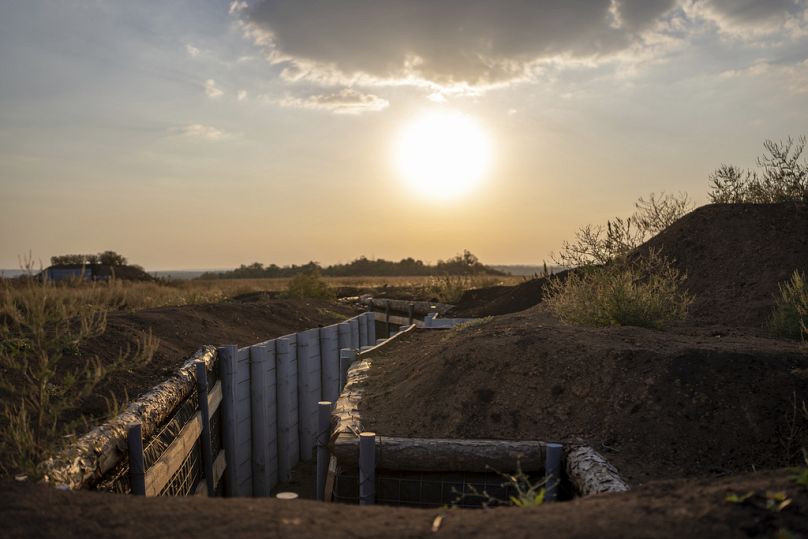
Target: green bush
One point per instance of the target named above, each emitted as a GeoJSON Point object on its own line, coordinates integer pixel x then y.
{"type": "Point", "coordinates": [645, 292]}
{"type": "Point", "coordinates": [790, 315]}
{"type": "Point", "coordinates": [782, 177]}
{"type": "Point", "coordinates": [309, 285]}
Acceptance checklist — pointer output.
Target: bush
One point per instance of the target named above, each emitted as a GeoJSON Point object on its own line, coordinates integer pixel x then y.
{"type": "Point", "coordinates": [790, 314]}
{"type": "Point", "coordinates": [309, 285]}
{"type": "Point", "coordinates": [41, 330]}
{"type": "Point", "coordinates": [783, 177]}
{"type": "Point", "coordinates": [645, 292]}
{"type": "Point", "coordinates": [595, 245]}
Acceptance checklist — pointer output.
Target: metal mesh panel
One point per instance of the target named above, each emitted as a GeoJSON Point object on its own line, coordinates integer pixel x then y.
{"type": "Point", "coordinates": [191, 471]}
{"type": "Point", "coordinates": [426, 489]}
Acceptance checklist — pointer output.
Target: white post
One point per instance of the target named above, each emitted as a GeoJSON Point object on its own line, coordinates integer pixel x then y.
{"type": "Point", "coordinates": [367, 468]}
{"type": "Point", "coordinates": [354, 332]}
{"type": "Point", "coordinates": [323, 434]}
{"type": "Point", "coordinates": [329, 363]}
{"type": "Point", "coordinates": [308, 390]}
{"type": "Point", "coordinates": [371, 327]}
{"type": "Point", "coordinates": [346, 357]}
{"type": "Point", "coordinates": [344, 329]}
{"type": "Point", "coordinates": [227, 373]}
{"type": "Point", "coordinates": [288, 441]}
{"type": "Point", "coordinates": [264, 420]}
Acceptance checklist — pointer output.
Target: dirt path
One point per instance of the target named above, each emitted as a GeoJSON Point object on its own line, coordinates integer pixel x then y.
{"type": "Point", "coordinates": [661, 510]}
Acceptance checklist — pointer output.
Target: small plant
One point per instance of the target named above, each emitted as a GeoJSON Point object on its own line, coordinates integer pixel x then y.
{"type": "Point", "coordinates": [525, 492]}
{"type": "Point", "coordinates": [782, 178]}
{"type": "Point", "coordinates": [646, 292]}
{"type": "Point", "coordinates": [450, 288]}
{"type": "Point", "coordinates": [790, 315]}
{"type": "Point", "coordinates": [309, 285]}
{"type": "Point", "coordinates": [471, 324]}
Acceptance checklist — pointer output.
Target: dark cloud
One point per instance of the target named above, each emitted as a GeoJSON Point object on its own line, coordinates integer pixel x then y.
{"type": "Point", "coordinates": [345, 101]}
{"type": "Point", "coordinates": [474, 43]}
{"type": "Point", "coordinates": [449, 41]}
{"type": "Point", "coordinates": [753, 11]}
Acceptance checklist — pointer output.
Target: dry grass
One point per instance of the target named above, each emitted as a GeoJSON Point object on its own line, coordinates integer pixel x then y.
{"type": "Point", "coordinates": [646, 292]}
{"type": "Point", "coordinates": [790, 315]}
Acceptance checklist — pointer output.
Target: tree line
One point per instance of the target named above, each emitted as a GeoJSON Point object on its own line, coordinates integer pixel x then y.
{"type": "Point", "coordinates": [465, 264]}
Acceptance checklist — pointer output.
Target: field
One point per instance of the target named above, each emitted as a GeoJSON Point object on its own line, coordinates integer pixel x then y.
{"type": "Point", "coordinates": [704, 414]}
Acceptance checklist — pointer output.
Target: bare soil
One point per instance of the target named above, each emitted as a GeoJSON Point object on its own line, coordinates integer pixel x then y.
{"type": "Point", "coordinates": [675, 509]}
{"type": "Point", "coordinates": [735, 256]}
{"type": "Point", "coordinates": [182, 330]}
{"type": "Point", "coordinates": [680, 403]}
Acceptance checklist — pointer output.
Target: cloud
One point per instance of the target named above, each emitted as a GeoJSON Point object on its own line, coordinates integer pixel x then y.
{"type": "Point", "coordinates": [793, 77]}
{"type": "Point", "coordinates": [345, 101]}
{"type": "Point", "coordinates": [750, 19]}
{"type": "Point", "coordinates": [468, 46]}
{"type": "Point", "coordinates": [211, 90]}
{"type": "Point", "coordinates": [200, 132]}
{"type": "Point", "coordinates": [242, 95]}
{"type": "Point", "coordinates": [237, 6]}
{"type": "Point", "coordinates": [192, 51]}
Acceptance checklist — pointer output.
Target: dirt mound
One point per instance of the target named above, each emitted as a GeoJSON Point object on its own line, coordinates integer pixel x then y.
{"type": "Point", "coordinates": [735, 255]}
{"type": "Point", "coordinates": [664, 510]}
{"type": "Point", "coordinates": [182, 330]}
{"type": "Point", "coordinates": [496, 300]}
{"type": "Point", "coordinates": [658, 404]}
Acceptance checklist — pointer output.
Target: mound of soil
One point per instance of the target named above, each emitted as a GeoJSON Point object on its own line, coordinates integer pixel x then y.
{"type": "Point", "coordinates": [496, 300]}
{"type": "Point", "coordinates": [182, 330]}
{"type": "Point", "coordinates": [735, 257]}
{"type": "Point", "coordinates": [663, 510]}
{"type": "Point", "coordinates": [659, 405]}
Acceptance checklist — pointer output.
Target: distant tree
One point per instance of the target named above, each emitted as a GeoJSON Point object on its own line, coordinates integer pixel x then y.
{"type": "Point", "coordinates": [111, 258]}
{"type": "Point", "coordinates": [783, 177]}
{"type": "Point", "coordinates": [73, 260]}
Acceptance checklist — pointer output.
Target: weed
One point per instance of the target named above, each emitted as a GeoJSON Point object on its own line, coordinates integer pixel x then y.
{"type": "Point", "coordinates": [790, 314]}
{"type": "Point", "coordinates": [39, 331]}
{"type": "Point", "coordinates": [525, 492]}
{"type": "Point", "coordinates": [645, 292]}
{"type": "Point", "coordinates": [471, 324]}
{"type": "Point", "coordinates": [309, 285]}
{"type": "Point", "coordinates": [450, 288]}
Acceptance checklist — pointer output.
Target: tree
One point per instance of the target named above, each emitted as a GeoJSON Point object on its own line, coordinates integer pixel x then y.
{"type": "Point", "coordinates": [783, 177]}
{"type": "Point", "coordinates": [111, 258]}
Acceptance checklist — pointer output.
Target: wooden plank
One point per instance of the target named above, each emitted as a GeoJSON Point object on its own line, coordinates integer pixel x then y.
{"type": "Point", "coordinates": [442, 454]}
{"type": "Point", "coordinates": [396, 320]}
{"type": "Point", "coordinates": [219, 466]}
{"type": "Point", "coordinates": [330, 480]}
{"type": "Point", "coordinates": [161, 472]}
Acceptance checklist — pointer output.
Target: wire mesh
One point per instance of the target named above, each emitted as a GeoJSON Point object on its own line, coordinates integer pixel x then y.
{"type": "Point", "coordinates": [427, 489]}
{"type": "Point", "coordinates": [191, 472]}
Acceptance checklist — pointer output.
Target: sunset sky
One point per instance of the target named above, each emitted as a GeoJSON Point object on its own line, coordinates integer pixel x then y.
{"type": "Point", "coordinates": [206, 134]}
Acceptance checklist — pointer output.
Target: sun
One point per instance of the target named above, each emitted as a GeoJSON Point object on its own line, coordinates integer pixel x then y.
{"type": "Point", "coordinates": [442, 154]}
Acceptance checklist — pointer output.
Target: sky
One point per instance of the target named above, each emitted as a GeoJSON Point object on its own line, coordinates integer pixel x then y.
{"type": "Point", "coordinates": [211, 133]}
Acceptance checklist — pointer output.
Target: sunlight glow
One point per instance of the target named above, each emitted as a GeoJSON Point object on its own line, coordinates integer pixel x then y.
{"type": "Point", "coordinates": [442, 154]}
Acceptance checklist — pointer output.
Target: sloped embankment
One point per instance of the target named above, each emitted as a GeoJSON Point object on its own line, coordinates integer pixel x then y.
{"type": "Point", "coordinates": [735, 256]}
{"type": "Point", "coordinates": [656, 404]}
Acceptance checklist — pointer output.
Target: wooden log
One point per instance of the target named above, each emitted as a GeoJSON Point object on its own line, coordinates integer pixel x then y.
{"type": "Point", "coordinates": [419, 308]}
{"type": "Point", "coordinates": [83, 463]}
{"type": "Point", "coordinates": [396, 320]}
{"type": "Point", "coordinates": [443, 454]}
{"type": "Point", "coordinates": [590, 473]}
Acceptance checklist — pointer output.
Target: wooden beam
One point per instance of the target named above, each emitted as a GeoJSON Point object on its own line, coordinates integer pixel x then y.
{"type": "Point", "coordinates": [397, 320]}
{"type": "Point", "coordinates": [161, 472]}
{"type": "Point", "coordinates": [218, 469]}
{"type": "Point", "coordinates": [444, 454]}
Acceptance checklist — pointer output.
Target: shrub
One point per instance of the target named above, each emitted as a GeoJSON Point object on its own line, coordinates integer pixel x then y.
{"type": "Point", "coordinates": [309, 285]}
{"type": "Point", "coordinates": [40, 329]}
{"type": "Point", "coordinates": [645, 292]}
{"type": "Point", "coordinates": [790, 315]}
{"type": "Point", "coordinates": [782, 178]}
{"type": "Point", "coordinates": [594, 245]}
{"type": "Point", "coordinates": [450, 288]}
